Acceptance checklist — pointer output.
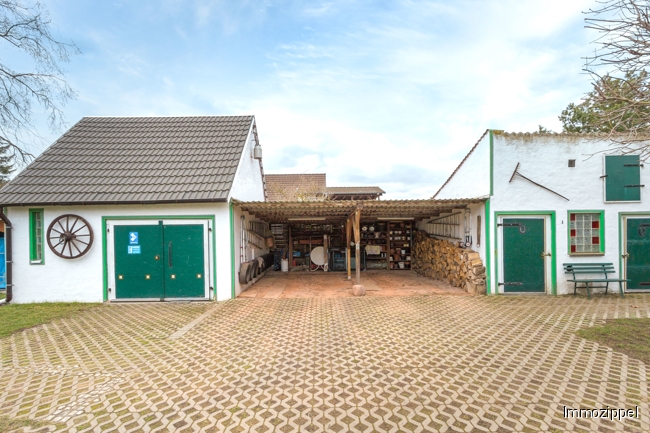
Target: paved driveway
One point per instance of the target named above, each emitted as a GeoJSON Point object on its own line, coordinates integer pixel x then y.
{"type": "Point", "coordinates": [307, 284]}
{"type": "Point", "coordinates": [421, 363]}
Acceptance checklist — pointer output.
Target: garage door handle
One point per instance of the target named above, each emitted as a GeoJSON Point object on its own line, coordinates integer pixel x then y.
{"type": "Point", "coordinates": [169, 254]}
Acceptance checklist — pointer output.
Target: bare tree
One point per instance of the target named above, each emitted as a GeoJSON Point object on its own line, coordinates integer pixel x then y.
{"type": "Point", "coordinates": [25, 28]}
{"type": "Point", "coordinates": [621, 95]}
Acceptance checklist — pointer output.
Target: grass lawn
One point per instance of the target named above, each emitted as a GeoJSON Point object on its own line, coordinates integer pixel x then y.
{"type": "Point", "coordinates": [629, 336]}
{"type": "Point", "coordinates": [3, 294]}
{"type": "Point", "coordinates": [8, 424]}
{"type": "Point", "coordinates": [14, 317]}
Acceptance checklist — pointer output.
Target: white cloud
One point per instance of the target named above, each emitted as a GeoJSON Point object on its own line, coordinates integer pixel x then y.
{"type": "Point", "coordinates": [389, 93]}
{"type": "Point", "coordinates": [418, 86]}
{"type": "Point", "coordinates": [317, 10]}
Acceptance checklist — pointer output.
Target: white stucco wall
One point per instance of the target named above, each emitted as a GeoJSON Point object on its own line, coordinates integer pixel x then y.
{"type": "Point", "coordinates": [472, 179]}
{"type": "Point", "coordinates": [544, 159]}
{"type": "Point", "coordinates": [478, 242]}
{"type": "Point", "coordinates": [251, 252]}
{"type": "Point", "coordinates": [475, 229]}
{"type": "Point", "coordinates": [82, 279]}
{"type": "Point", "coordinates": [248, 184]}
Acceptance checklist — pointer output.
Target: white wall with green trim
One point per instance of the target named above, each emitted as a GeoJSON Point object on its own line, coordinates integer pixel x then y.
{"type": "Point", "coordinates": [544, 159]}
{"type": "Point", "coordinates": [82, 279]}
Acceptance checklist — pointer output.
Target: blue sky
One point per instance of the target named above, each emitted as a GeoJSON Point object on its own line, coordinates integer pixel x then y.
{"type": "Point", "coordinates": [387, 93]}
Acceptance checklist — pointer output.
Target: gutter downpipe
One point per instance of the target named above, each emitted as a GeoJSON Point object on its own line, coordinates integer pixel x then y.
{"type": "Point", "coordinates": [8, 256]}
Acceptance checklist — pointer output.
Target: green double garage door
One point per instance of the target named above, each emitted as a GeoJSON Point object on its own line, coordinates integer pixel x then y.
{"type": "Point", "coordinates": [159, 261]}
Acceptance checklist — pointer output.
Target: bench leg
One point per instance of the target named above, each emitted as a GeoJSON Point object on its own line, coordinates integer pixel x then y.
{"type": "Point", "coordinates": [620, 289]}
{"type": "Point", "coordinates": [606, 287]}
{"type": "Point", "coordinates": [575, 288]}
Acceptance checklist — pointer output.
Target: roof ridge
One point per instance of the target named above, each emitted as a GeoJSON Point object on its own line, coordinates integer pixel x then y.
{"type": "Point", "coordinates": [295, 174]}
{"type": "Point", "coordinates": [569, 134]}
{"type": "Point", "coordinates": [168, 116]}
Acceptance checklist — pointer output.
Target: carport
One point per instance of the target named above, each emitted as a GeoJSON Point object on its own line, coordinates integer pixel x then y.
{"type": "Point", "coordinates": [352, 219]}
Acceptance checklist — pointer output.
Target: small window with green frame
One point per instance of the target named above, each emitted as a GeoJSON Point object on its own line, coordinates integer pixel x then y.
{"type": "Point", "coordinates": [586, 232]}
{"type": "Point", "coordinates": [36, 236]}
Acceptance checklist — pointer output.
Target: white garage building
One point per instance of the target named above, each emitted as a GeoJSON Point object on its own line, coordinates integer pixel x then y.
{"type": "Point", "coordinates": [134, 208]}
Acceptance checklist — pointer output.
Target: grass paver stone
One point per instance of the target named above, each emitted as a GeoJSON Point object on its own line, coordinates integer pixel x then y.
{"type": "Point", "coordinates": [421, 363]}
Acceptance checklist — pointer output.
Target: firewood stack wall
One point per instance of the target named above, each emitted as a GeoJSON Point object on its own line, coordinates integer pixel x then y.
{"type": "Point", "coordinates": [442, 260]}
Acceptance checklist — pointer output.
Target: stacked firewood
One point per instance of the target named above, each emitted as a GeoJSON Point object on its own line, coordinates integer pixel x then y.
{"type": "Point", "coordinates": [442, 260]}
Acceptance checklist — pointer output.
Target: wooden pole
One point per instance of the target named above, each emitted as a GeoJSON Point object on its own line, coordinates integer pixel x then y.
{"type": "Point", "coordinates": [290, 247]}
{"type": "Point", "coordinates": [348, 229]}
{"type": "Point", "coordinates": [357, 240]}
{"type": "Point", "coordinates": [326, 246]}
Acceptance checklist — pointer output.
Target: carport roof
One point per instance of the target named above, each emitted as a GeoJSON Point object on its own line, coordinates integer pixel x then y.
{"type": "Point", "coordinates": [331, 210]}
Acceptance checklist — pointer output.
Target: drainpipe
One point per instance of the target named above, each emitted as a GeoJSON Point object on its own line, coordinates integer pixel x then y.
{"type": "Point", "coordinates": [8, 255]}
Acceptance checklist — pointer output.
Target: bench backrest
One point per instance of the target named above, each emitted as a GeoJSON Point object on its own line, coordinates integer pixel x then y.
{"type": "Point", "coordinates": [589, 268]}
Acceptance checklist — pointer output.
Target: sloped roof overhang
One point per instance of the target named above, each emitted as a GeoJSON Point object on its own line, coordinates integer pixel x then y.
{"type": "Point", "coordinates": [338, 211]}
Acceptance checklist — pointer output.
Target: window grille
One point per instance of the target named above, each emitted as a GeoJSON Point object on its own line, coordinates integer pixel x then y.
{"type": "Point", "coordinates": [586, 233]}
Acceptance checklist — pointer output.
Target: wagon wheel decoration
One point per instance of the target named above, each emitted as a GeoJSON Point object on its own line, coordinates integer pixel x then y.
{"type": "Point", "coordinates": [69, 236]}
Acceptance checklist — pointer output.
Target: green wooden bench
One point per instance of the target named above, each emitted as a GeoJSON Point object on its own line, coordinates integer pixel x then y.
{"type": "Point", "coordinates": [579, 269]}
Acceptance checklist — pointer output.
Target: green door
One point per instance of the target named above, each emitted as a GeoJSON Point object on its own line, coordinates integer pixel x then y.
{"type": "Point", "coordinates": [523, 249]}
{"type": "Point", "coordinates": [138, 261]}
{"type": "Point", "coordinates": [159, 261]}
{"type": "Point", "coordinates": [184, 262]}
{"type": "Point", "coordinates": [638, 250]}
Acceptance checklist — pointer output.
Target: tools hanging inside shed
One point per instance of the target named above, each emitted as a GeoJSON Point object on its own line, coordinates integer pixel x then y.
{"type": "Point", "coordinates": [467, 226]}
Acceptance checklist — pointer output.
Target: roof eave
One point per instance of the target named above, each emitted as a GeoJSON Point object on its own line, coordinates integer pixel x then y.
{"type": "Point", "coordinates": [116, 203]}
{"type": "Point", "coordinates": [461, 163]}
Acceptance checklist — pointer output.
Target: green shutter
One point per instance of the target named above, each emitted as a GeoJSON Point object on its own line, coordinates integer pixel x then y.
{"type": "Point", "coordinates": [623, 178]}
{"type": "Point", "coordinates": [36, 236]}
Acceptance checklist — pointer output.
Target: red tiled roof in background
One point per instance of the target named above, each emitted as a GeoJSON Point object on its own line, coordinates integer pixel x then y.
{"type": "Point", "coordinates": [295, 187]}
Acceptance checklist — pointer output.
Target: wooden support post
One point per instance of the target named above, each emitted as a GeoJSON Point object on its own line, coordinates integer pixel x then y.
{"type": "Point", "coordinates": [290, 253]}
{"type": "Point", "coordinates": [348, 229]}
{"type": "Point", "coordinates": [326, 245]}
{"type": "Point", "coordinates": [357, 240]}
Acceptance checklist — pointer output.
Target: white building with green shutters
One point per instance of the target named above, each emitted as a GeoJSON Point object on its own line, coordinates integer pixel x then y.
{"type": "Point", "coordinates": [554, 199]}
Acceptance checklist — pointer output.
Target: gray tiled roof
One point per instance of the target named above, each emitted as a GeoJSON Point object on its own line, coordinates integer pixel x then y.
{"type": "Point", "coordinates": [135, 160]}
